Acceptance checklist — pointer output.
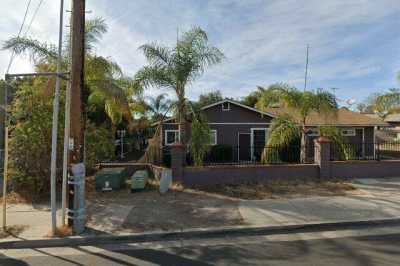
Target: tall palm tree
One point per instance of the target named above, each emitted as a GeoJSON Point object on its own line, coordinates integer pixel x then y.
{"type": "Point", "coordinates": [157, 106]}
{"type": "Point", "coordinates": [177, 67]}
{"type": "Point", "coordinates": [300, 105]}
{"type": "Point", "coordinates": [106, 83]}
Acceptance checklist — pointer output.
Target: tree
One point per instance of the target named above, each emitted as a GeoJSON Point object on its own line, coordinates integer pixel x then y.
{"type": "Point", "coordinates": [158, 106]}
{"type": "Point", "coordinates": [300, 104]}
{"type": "Point", "coordinates": [177, 67]}
{"type": "Point", "coordinates": [209, 98]}
{"type": "Point", "coordinates": [107, 88]}
{"type": "Point", "coordinates": [253, 97]}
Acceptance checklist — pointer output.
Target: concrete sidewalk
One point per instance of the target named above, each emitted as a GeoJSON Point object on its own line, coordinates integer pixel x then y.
{"type": "Point", "coordinates": [373, 199]}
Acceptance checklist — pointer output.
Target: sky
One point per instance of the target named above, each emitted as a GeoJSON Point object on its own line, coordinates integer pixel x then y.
{"type": "Point", "coordinates": [354, 44]}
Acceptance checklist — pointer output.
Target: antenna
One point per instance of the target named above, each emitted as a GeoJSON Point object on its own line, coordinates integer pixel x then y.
{"type": "Point", "coordinates": [306, 72]}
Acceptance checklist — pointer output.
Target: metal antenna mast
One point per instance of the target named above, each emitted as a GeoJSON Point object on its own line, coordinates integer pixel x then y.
{"type": "Point", "coordinates": [306, 72]}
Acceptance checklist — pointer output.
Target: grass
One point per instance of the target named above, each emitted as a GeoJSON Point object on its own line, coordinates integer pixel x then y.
{"type": "Point", "coordinates": [282, 189]}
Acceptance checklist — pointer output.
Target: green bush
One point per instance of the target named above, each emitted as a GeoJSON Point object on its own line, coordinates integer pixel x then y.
{"type": "Point", "coordinates": [221, 153]}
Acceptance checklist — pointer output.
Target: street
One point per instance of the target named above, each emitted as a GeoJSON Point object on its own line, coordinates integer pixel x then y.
{"type": "Point", "coordinates": [364, 248]}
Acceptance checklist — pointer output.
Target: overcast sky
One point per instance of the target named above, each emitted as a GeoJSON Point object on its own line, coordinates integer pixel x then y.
{"type": "Point", "coordinates": [354, 44]}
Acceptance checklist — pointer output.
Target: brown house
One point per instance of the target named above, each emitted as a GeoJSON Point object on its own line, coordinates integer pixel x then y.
{"type": "Point", "coordinates": [245, 129]}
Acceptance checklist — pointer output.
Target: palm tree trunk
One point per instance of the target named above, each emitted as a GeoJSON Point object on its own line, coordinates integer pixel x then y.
{"type": "Point", "coordinates": [182, 120]}
{"type": "Point", "coordinates": [303, 155]}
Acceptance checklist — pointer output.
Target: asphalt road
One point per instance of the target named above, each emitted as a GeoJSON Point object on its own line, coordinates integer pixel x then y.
{"type": "Point", "coordinates": [362, 251]}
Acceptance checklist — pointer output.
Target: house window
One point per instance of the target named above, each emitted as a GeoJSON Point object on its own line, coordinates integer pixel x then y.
{"type": "Point", "coordinates": [213, 137]}
{"type": "Point", "coordinates": [349, 132]}
{"type": "Point", "coordinates": [171, 137]}
{"type": "Point", "coordinates": [312, 132]}
{"type": "Point", "coordinates": [226, 106]}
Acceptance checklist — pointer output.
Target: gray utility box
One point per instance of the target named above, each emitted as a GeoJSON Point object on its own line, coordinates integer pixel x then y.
{"type": "Point", "coordinates": [139, 180]}
{"type": "Point", "coordinates": [109, 179]}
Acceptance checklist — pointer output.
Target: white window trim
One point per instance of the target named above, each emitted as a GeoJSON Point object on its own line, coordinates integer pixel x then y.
{"type": "Point", "coordinates": [166, 136]}
{"type": "Point", "coordinates": [353, 134]}
{"type": "Point", "coordinates": [226, 109]}
{"type": "Point", "coordinates": [216, 137]}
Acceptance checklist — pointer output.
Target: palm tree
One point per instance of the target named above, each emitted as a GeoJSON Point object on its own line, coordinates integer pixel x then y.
{"type": "Point", "coordinates": [158, 106]}
{"type": "Point", "coordinates": [300, 105]}
{"type": "Point", "coordinates": [177, 67]}
{"type": "Point", "coordinates": [107, 85]}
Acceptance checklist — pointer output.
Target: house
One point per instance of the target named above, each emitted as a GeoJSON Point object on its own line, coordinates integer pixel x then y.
{"type": "Point", "coordinates": [245, 129]}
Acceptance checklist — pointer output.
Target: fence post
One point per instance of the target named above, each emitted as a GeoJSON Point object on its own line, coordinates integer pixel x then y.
{"type": "Point", "coordinates": [323, 156]}
{"type": "Point", "coordinates": [177, 161]}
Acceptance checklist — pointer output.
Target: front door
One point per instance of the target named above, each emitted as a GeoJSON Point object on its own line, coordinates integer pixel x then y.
{"type": "Point", "coordinates": [258, 140]}
{"type": "Point", "coordinates": [244, 153]}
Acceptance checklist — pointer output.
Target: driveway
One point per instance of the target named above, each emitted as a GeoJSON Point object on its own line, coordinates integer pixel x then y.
{"type": "Point", "coordinates": [373, 199]}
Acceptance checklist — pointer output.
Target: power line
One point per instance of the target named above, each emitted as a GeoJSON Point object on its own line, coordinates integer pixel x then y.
{"type": "Point", "coordinates": [19, 34]}
{"type": "Point", "coordinates": [33, 17]}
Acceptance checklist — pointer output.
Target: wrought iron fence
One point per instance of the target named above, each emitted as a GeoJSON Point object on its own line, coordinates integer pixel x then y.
{"type": "Point", "coordinates": [250, 155]}
{"type": "Point", "coordinates": [365, 151]}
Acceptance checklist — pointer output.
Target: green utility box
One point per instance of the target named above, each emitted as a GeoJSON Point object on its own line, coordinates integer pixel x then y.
{"type": "Point", "coordinates": [109, 179]}
{"type": "Point", "coordinates": [139, 180]}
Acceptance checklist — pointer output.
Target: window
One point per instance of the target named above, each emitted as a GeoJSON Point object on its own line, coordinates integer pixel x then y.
{"type": "Point", "coordinates": [213, 137]}
{"type": "Point", "coordinates": [312, 132]}
{"type": "Point", "coordinates": [349, 132]}
{"type": "Point", "coordinates": [171, 137]}
{"type": "Point", "coordinates": [226, 106]}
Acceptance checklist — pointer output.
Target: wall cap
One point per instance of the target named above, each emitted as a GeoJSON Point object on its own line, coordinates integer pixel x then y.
{"type": "Point", "coordinates": [322, 140]}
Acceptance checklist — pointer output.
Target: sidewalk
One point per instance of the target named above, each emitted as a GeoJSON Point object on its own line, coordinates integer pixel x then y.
{"type": "Point", "coordinates": [373, 200]}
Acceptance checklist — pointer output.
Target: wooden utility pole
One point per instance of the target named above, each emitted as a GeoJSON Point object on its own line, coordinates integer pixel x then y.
{"type": "Point", "coordinates": [77, 87]}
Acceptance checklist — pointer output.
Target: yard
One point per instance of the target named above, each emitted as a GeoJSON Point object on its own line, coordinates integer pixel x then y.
{"type": "Point", "coordinates": [184, 208]}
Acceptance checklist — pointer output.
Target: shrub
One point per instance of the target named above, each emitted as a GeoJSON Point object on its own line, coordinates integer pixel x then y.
{"type": "Point", "coordinates": [221, 153]}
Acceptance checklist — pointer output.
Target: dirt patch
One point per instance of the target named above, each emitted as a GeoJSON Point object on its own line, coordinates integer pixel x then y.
{"type": "Point", "coordinates": [292, 189]}
{"type": "Point", "coordinates": [175, 210]}
{"type": "Point", "coordinates": [13, 231]}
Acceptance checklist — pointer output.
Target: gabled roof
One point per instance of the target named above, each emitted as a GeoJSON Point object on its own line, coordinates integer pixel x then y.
{"type": "Point", "coordinates": [343, 117]}
{"type": "Point", "coordinates": [238, 104]}
{"type": "Point", "coordinates": [229, 101]}
{"type": "Point", "coordinates": [392, 118]}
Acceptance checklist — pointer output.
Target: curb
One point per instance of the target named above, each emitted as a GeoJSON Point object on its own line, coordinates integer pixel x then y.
{"type": "Point", "coordinates": [238, 231]}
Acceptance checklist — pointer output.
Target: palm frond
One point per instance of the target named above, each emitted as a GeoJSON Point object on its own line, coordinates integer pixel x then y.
{"type": "Point", "coordinates": [156, 54]}
{"type": "Point", "coordinates": [94, 30]}
{"type": "Point", "coordinates": [283, 131]}
{"type": "Point", "coordinates": [155, 76]}
{"type": "Point", "coordinates": [35, 49]}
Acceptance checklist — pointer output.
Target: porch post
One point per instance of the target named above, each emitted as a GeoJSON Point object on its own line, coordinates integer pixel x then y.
{"type": "Point", "coordinates": [322, 156]}
{"type": "Point", "coordinates": [177, 161]}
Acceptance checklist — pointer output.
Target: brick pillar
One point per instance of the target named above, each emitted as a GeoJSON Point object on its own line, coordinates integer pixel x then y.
{"type": "Point", "coordinates": [177, 161]}
{"type": "Point", "coordinates": [322, 156]}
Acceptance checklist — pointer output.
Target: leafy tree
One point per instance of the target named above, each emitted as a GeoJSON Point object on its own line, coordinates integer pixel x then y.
{"type": "Point", "coordinates": [300, 105]}
{"type": "Point", "coordinates": [253, 97]}
{"type": "Point", "coordinates": [210, 98]}
{"type": "Point", "coordinates": [30, 137]}
{"type": "Point", "coordinates": [177, 67]}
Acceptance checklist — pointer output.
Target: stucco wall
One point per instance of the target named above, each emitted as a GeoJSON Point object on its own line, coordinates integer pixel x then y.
{"type": "Point", "coordinates": [239, 174]}
{"type": "Point", "coordinates": [365, 169]}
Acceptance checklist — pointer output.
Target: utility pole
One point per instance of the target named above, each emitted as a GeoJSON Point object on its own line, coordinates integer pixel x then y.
{"type": "Point", "coordinates": [56, 106]}
{"type": "Point", "coordinates": [77, 86]}
{"type": "Point", "coordinates": [67, 126]}
{"type": "Point", "coordinates": [306, 72]}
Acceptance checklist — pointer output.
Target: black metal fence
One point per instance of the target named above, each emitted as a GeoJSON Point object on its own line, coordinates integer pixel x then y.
{"type": "Point", "coordinates": [250, 155]}
{"type": "Point", "coordinates": [365, 151]}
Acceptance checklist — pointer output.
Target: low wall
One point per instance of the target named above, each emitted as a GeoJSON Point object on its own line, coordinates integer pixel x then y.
{"type": "Point", "coordinates": [365, 169]}
{"type": "Point", "coordinates": [234, 174]}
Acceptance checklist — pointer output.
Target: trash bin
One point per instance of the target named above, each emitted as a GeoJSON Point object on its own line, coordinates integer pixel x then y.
{"type": "Point", "coordinates": [139, 180]}
{"type": "Point", "coordinates": [109, 179]}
